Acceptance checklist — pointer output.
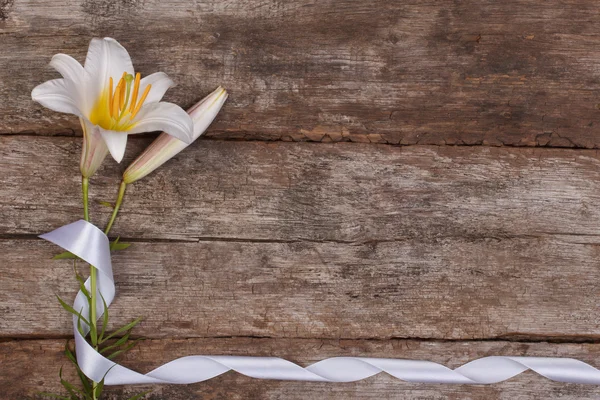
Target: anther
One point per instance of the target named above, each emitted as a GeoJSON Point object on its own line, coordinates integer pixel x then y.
{"type": "Point", "coordinates": [139, 106]}
{"type": "Point", "coordinates": [136, 90]}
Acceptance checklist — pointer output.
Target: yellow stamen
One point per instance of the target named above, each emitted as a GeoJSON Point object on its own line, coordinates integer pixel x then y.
{"type": "Point", "coordinates": [115, 103]}
{"type": "Point", "coordinates": [136, 90]}
{"type": "Point", "coordinates": [110, 95]}
{"type": "Point", "coordinates": [117, 108]}
{"type": "Point", "coordinates": [117, 98]}
{"type": "Point", "coordinates": [139, 106]}
{"type": "Point", "coordinates": [122, 95]}
{"type": "Point", "coordinates": [128, 80]}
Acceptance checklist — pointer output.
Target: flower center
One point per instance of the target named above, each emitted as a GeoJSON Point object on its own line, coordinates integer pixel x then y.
{"type": "Point", "coordinates": [116, 109]}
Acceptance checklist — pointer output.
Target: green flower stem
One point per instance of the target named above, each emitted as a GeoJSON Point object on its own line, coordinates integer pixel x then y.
{"type": "Point", "coordinates": [122, 188]}
{"type": "Point", "coordinates": [93, 271]}
{"type": "Point", "coordinates": [85, 183]}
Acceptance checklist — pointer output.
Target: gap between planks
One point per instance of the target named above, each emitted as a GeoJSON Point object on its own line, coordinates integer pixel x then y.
{"type": "Point", "coordinates": [249, 138]}
{"type": "Point", "coordinates": [510, 337]}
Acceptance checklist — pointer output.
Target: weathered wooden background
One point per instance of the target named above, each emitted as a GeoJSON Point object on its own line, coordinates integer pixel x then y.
{"type": "Point", "coordinates": [461, 220]}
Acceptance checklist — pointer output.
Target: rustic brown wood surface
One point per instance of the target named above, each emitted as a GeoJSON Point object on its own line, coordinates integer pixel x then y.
{"type": "Point", "coordinates": [517, 72]}
{"type": "Point", "coordinates": [328, 241]}
{"type": "Point", "coordinates": [304, 250]}
{"type": "Point", "coordinates": [446, 289]}
{"type": "Point", "coordinates": [294, 242]}
{"type": "Point", "coordinates": [33, 376]}
{"type": "Point", "coordinates": [286, 192]}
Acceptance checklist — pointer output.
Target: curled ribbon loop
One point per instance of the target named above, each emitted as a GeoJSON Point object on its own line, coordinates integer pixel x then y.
{"type": "Point", "coordinates": [90, 244]}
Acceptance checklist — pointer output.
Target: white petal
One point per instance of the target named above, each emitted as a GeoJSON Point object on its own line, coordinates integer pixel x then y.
{"type": "Point", "coordinates": [116, 143]}
{"type": "Point", "coordinates": [160, 84]}
{"type": "Point", "coordinates": [105, 58]}
{"type": "Point", "coordinates": [94, 149]}
{"type": "Point", "coordinates": [205, 111]}
{"type": "Point", "coordinates": [166, 117]}
{"type": "Point", "coordinates": [58, 95]}
{"type": "Point", "coordinates": [68, 67]}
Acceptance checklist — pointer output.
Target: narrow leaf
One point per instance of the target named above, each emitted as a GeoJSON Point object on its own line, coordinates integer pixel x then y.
{"type": "Point", "coordinates": [115, 245]}
{"type": "Point", "coordinates": [84, 290]}
{"type": "Point", "coordinates": [72, 394]}
{"type": "Point", "coordinates": [79, 328]}
{"type": "Point", "coordinates": [139, 396]}
{"type": "Point", "coordinates": [64, 256]}
{"type": "Point", "coordinates": [104, 319]}
{"type": "Point", "coordinates": [93, 335]}
{"type": "Point", "coordinates": [73, 391]}
{"type": "Point", "coordinates": [69, 353]}
{"type": "Point", "coordinates": [126, 349]}
{"type": "Point", "coordinates": [84, 380]}
{"type": "Point", "coordinates": [120, 246]}
{"type": "Point", "coordinates": [118, 343]}
{"type": "Point", "coordinates": [98, 390]}
{"type": "Point", "coordinates": [123, 329]}
{"type": "Point", "coordinates": [70, 388]}
{"type": "Point", "coordinates": [105, 204]}
{"type": "Point", "coordinates": [82, 287]}
{"type": "Point", "coordinates": [71, 310]}
{"type": "Point", "coordinates": [100, 385]}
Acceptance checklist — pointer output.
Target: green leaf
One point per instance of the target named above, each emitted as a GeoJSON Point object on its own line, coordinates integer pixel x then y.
{"type": "Point", "coordinates": [84, 290]}
{"type": "Point", "coordinates": [123, 329]}
{"type": "Point", "coordinates": [118, 343]}
{"type": "Point", "coordinates": [126, 349]}
{"type": "Point", "coordinates": [81, 281]}
{"type": "Point", "coordinates": [71, 310]}
{"type": "Point", "coordinates": [98, 390]}
{"type": "Point", "coordinates": [116, 246]}
{"type": "Point", "coordinates": [105, 203]}
{"type": "Point", "coordinates": [120, 246]}
{"type": "Point", "coordinates": [64, 256]}
{"type": "Point", "coordinates": [100, 385]}
{"type": "Point", "coordinates": [104, 319]}
{"type": "Point", "coordinates": [139, 396]}
{"type": "Point", "coordinates": [84, 379]}
{"type": "Point", "coordinates": [79, 328]}
{"type": "Point", "coordinates": [94, 335]}
{"type": "Point", "coordinates": [69, 353]}
{"type": "Point", "coordinates": [73, 391]}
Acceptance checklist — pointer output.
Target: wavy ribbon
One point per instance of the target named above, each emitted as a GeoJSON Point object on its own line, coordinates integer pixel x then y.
{"type": "Point", "coordinates": [91, 244]}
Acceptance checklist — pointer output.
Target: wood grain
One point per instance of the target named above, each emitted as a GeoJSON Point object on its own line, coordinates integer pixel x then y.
{"type": "Point", "coordinates": [22, 378]}
{"type": "Point", "coordinates": [309, 251]}
{"type": "Point", "coordinates": [346, 193]}
{"type": "Point", "coordinates": [545, 288]}
{"type": "Point", "coordinates": [517, 73]}
{"type": "Point", "coordinates": [332, 241]}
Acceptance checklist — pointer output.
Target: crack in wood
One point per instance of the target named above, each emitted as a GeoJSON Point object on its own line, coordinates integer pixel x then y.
{"type": "Point", "coordinates": [512, 338]}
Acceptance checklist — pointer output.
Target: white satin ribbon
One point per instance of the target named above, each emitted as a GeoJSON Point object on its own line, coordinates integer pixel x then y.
{"type": "Point", "coordinates": [91, 244]}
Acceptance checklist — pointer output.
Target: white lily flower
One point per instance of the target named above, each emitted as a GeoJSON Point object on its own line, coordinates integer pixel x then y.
{"type": "Point", "coordinates": [111, 100]}
{"type": "Point", "coordinates": [166, 147]}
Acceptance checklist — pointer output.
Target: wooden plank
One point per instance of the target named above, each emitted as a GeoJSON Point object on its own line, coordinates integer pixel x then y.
{"type": "Point", "coordinates": [304, 240]}
{"type": "Point", "coordinates": [544, 288]}
{"type": "Point", "coordinates": [347, 193]}
{"type": "Point", "coordinates": [32, 366]}
{"type": "Point", "coordinates": [517, 72]}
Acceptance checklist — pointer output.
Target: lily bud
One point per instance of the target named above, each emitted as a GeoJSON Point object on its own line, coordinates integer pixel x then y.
{"type": "Point", "coordinates": [166, 146]}
{"type": "Point", "coordinates": [93, 151]}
